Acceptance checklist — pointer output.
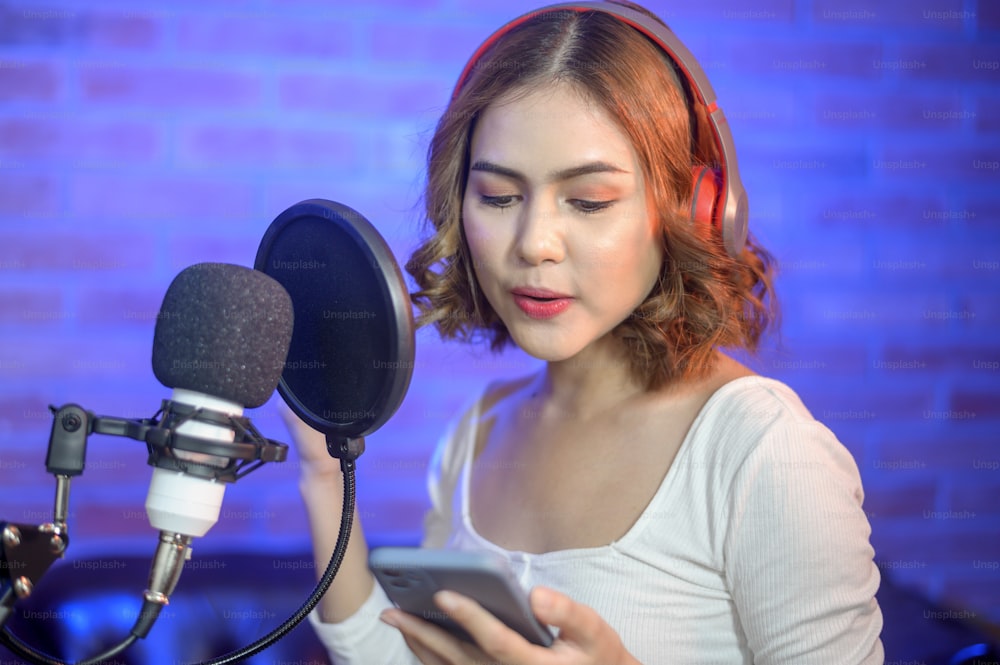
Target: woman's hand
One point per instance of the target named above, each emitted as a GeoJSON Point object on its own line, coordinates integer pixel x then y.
{"type": "Point", "coordinates": [321, 483]}
{"type": "Point", "coordinates": [584, 637]}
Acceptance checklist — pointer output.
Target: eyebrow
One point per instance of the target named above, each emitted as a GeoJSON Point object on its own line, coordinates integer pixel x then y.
{"type": "Point", "coordinates": [555, 176]}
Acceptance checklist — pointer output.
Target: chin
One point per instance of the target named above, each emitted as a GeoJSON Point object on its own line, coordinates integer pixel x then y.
{"type": "Point", "coordinates": [549, 348]}
{"type": "Point", "coordinates": [589, 346]}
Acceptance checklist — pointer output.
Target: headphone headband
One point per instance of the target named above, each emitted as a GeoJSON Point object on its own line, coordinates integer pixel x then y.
{"type": "Point", "coordinates": [730, 212]}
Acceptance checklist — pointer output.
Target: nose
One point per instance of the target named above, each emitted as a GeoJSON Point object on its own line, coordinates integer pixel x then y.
{"type": "Point", "coordinates": [540, 237]}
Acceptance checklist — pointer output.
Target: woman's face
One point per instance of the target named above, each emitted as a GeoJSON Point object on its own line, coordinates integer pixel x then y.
{"type": "Point", "coordinates": [562, 236]}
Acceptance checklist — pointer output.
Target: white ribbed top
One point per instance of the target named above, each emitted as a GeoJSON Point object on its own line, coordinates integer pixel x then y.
{"type": "Point", "coordinates": [754, 549]}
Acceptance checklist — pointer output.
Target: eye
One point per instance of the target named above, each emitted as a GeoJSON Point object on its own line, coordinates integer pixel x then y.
{"type": "Point", "coordinates": [503, 201]}
{"type": "Point", "coordinates": [588, 207]}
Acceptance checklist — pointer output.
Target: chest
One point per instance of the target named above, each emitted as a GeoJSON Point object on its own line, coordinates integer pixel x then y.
{"type": "Point", "coordinates": [537, 489]}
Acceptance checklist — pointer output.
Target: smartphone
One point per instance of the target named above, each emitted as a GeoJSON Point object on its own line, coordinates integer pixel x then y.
{"type": "Point", "coordinates": [412, 575]}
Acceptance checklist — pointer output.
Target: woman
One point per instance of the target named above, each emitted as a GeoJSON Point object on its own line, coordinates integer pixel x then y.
{"type": "Point", "coordinates": [666, 504]}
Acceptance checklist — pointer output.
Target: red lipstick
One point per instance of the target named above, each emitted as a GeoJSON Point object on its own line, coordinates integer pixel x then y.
{"type": "Point", "coordinates": [541, 303]}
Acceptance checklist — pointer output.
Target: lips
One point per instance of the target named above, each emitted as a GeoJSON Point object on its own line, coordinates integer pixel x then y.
{"type": "Point", "coordinates": [541, 303]}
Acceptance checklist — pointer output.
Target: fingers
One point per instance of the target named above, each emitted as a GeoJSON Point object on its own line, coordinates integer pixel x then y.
{"type": "Point", "coordinates": [491, 635]}
{"type": "Point", "coordinates": [431, 644]}
{"type": "Point", "coordinates": [584, 636]}
{"type": "Point", "coordinates": [434, 645]}
{"type": "Point", "coordinates": [577, 623]}
{"type": "Point", "coordinates": [423, 654]}
{"type": "Point", "coordinates": [581, 628]}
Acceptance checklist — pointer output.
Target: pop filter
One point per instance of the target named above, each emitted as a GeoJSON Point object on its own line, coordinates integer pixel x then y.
{"type": "Point", "coordinates": [351, 355]}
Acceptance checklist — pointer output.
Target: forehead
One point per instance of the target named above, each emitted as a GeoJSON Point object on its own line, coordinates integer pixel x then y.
{"type": "Point", "coordinates": [546, 126]}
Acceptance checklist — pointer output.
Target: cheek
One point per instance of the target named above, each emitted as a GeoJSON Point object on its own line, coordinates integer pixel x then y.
{"type": "Point", "coordinates": [480, 241]}
{"type": "Point", "coordinates": [629, 253]}
{"type": "Point", "coordinates": [649, 254]}
{"type": "Point", "coordinates": [651, 262]}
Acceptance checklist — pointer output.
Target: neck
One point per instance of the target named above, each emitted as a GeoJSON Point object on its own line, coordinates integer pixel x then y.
{"type": "Point", "coordinates": [600, 378]}
{"type": "Point", "coordinates": [597, 378]}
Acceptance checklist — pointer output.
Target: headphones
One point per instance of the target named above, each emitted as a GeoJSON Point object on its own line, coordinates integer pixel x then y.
{"type": "Point", "coordinates": [718, 198]}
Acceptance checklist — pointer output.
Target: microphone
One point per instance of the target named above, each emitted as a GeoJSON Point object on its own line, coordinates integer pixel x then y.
{"type": "Point", "coordinates": [220, 343]}
{"type": "Point", "coordinates": [223, 340]}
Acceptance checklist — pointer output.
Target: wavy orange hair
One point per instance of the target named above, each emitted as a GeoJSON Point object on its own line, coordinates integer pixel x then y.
{"type": "Point", "coordinates": [704, 298]}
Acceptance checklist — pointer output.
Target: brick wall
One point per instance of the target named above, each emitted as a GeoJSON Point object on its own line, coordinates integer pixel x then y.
{"type": "Point", "coordinates": [135, 142]}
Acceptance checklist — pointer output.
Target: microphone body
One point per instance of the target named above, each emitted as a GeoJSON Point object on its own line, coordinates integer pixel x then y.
{"type": "Point", "coordinates": [220, 343]}
{"type": "Point", "coordinates": [183, 503]}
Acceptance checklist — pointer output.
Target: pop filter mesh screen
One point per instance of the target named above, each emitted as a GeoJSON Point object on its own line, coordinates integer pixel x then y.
{"type": "Point", "coordinates": [342, 347]}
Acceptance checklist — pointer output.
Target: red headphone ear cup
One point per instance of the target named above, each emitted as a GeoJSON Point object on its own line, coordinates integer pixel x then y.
{"type": "Point", "coordinates": [704, 197]}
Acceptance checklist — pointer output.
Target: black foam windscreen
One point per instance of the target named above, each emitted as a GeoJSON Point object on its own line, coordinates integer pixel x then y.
{"type": "Point", "coordinates": [223, 330]}
{"type": "Point", "coordinates": [351, 357]}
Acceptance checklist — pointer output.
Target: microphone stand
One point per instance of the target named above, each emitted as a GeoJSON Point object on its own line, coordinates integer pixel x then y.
{"type": "Point", "coordinates": [347, 450]}
{"type": "Point", "coordinates": [28, 551]}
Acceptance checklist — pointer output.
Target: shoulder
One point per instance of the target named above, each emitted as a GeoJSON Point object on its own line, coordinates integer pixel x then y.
{"type": "Point", "coordinates": [756, 402]}
{"type": "Point", "coordinates": [755, 420]}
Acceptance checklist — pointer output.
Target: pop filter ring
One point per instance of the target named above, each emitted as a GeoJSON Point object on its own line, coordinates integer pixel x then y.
{"type": "Point", "coordinates": [346, 225]}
